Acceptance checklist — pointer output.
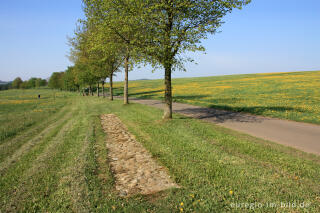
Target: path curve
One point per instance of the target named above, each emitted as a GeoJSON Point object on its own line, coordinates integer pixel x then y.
{"type": "Point", "coordinates": [303, 136]}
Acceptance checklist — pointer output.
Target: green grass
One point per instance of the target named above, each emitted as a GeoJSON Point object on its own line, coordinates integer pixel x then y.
{"type": "Point", "coordinates": [293, 96]}
{"type": "Point", "coordinates": [21, 109]}
{"type": "Point", "coordinates": [60, 163]}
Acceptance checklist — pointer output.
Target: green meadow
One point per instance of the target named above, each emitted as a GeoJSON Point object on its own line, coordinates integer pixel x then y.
{"type": "Point", "coordinates": [53, 155]}
{"type": "Point", "coordinates": [293, 96]}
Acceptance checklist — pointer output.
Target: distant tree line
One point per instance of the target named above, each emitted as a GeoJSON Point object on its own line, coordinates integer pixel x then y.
{"type": "Point", "coordinates": [5, 85]}
{"type": "Point", "coordinates": [18, 83]}
{"type": "Point", "coordinates": [119, 34]}
{"type": "Point", "coordinates": [66, 80]}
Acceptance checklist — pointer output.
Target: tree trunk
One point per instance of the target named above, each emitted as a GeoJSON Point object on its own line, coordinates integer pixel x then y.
{"type": "Point", "coordinates": [125, 89]}
{"type": "Point", "coordinates": [111, 87]}
{"type": "Point", "coordinates": [103, 95]}
{"type": "Point", "coordinates": [90, 91]}
{"type": "Point", "coordinates": [168, 93]}
{"type": "Point", "coordinates": [169, 56]}
{"type": "Point", "coordinates": [98, 94]}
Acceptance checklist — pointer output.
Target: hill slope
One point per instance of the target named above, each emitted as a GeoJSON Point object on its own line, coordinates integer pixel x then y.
{"type": "Point", "coordinates": [293, 96]}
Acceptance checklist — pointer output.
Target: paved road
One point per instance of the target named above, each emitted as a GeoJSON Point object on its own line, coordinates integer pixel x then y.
{"type": "Point", "coordinates": [303, 136]}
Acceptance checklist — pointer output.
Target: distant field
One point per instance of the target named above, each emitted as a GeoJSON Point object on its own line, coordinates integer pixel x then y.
{"type": "Point", "coordinates": [53, 158]}
{"type": "Point", "coordinates": [293, 96]}
{"type": "Point", "coordinates": [20, 109]}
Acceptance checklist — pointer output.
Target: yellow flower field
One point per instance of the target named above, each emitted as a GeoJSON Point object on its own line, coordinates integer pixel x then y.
{"type": "Point", "coordinates": [293, 95]}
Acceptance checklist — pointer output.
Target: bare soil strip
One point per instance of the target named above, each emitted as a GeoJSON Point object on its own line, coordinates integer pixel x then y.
{"type": "Point", "coordinates": [136, 172]}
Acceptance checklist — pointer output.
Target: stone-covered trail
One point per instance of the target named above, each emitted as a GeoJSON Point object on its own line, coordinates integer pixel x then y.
{"type": "Point", "coordinates": [135, 170]}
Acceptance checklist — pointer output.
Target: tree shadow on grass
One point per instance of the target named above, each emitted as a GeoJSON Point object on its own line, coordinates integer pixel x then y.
{"type": "Point", "coordinates": [147, 95]}
{"type": "Point", "coordinates": [181, 98]}
{"type": "Point", "coordinates": [221, 113]}
{"type": "Point", "coordinates": [257, 110]}
{"type": "Point", "coordinates": [219, 116]}
{"type": "Point", "coordinates": [144, 95]}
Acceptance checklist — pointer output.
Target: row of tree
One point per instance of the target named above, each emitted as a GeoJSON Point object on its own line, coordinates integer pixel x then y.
{"type": "Point", "coordinates": [119, 34]}
{"type": "Point", "coordinates": [18, 83]}
{"type": "Point", "coordinates": [5, 85]}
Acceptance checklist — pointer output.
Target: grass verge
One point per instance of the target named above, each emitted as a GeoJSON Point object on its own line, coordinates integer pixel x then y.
{"type": "Point", "coordinates": [219, 170]}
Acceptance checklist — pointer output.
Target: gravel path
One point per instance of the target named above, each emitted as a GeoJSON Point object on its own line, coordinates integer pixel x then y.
{"type": "Point", "coordinates": [135, 170]}
{"type": "Point", "coordinates": [303, 136]}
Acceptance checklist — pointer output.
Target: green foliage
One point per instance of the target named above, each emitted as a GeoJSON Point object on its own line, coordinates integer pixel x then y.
{"type": "Point", "coordinates": [84, 72]}
{"type": "Point", "coordinates": [5, 85]}
{"type": "Point", "coordinates": [158, 32]}
{"type": "Point", "coordinates": [169, 28]}
{"type": "Point", "coordinates": [40, 82]}
{"type": "Point", "coordinates": [84, 67]}
{"type": "Point", "coordinates": [31, 83]}
{"type": "Point", "coordinates": [115, 28]}
{"type": "Point", "coordinates": [16, 84]}
{"type": "Point", "coordinates": [94, 54]}
{"type": "Point", "coordinates": [24, 85]}
{"type": "Point", "coordinates": [56, 80]}
{"type": "Point", "coordinates": [69, 80]}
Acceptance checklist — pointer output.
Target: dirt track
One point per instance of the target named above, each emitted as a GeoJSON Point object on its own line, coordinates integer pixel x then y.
{"type": "Point", "coordinates": [303, 136]}
{"type": "Point", "coordinates": [135, 170]}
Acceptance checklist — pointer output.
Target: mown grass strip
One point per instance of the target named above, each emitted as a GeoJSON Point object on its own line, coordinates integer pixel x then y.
{"type": "Point", "coordinates": [13, 175]}
{"type": "Point", "coordinates": [210, 164]}
{"type": "Point", "coordinates": [39, 180]}
{"type": "Point", "coordinates": [31, 136]}
{"type": "Point", "coordinates": [215, 167]}
{"type": "Point", "coordinates": [23, 111]}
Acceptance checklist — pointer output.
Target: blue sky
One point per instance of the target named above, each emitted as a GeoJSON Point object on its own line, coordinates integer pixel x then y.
{"type": "Point", "coordinates": [266, 36]}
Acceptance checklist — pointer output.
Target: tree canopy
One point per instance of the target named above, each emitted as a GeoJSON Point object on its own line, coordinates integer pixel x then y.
{"type": "Point", "coordinates": [56, 80]}
{"type": "Point", "coordinates": [120, 33]}
{"type": "Point", "coordinates": [16, 84]}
